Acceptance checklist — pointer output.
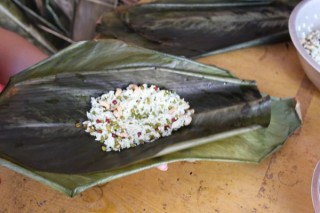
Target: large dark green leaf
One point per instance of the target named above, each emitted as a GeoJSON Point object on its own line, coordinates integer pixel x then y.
{"type": "Point", "coordinates": [193, 29]}
{"type": "Point", "coordinates": [56, 100]}
{"type": "Point", "coordinates": [79, 71]}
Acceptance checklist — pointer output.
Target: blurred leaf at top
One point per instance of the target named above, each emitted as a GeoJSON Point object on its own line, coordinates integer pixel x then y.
{"type": "Point", "coordinates": [198, 28]}
{"type": "Point", "coordinates": [63, 21]}
{"type": "Point", "coordinates": [191, 28]}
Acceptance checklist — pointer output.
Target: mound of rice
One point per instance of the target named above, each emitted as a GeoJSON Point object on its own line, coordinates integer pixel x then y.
{"type": "Point", "coordinates": [140, 114]}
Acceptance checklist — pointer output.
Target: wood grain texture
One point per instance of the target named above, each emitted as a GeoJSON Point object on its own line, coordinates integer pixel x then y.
{"type": "Point", "coordinates": [281, 183]}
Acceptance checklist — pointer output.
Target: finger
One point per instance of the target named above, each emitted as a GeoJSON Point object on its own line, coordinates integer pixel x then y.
{"type": "Point", "coordinates": [163, 167]}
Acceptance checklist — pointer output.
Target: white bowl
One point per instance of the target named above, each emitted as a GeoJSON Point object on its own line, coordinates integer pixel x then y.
{"type": "Point", "coordinates": [315, 188]}
{"type": "Point", "coordinates": [304, 19]}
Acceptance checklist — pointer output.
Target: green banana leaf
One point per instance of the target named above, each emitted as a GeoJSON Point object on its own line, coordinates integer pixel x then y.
{"type": "Point", "coordinates": [11, 18]}
{"type": "Point", "coordinates": [56, 99]}
{"type": "Point", "coordinates": [194, 29]}
{"type": "Point", "coordinates": [48, 90]}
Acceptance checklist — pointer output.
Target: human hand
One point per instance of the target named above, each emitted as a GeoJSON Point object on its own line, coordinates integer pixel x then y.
{"type": "Point", "coordinates": [16, 54]}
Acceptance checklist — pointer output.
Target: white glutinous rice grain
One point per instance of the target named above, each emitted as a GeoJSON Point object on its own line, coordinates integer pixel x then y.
{"type": "Point", "coordinates": [139, 114]}
{"type": "Point", "coordinates": [312, 45]}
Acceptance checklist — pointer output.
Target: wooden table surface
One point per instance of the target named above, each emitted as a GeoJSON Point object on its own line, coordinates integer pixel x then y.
{"type": "Point", "coordinates": [281, 183]}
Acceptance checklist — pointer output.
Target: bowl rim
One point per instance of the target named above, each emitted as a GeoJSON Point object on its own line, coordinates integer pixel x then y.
{"type": "Point", "coordinates": [295, 39]}
{"type": "Point", "coordinates": [315, 188]}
